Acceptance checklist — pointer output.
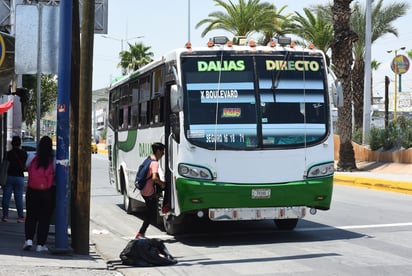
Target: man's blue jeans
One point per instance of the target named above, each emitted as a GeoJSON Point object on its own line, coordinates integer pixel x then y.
{"type": "Point", "coordinates": [15, 185]}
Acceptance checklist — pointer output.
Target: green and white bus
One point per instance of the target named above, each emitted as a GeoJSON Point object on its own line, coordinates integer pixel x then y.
{"type": "Point", "coordinates": [247, 129]}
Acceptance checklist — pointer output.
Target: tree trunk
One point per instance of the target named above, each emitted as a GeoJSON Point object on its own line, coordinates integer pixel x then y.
{"type": "Point", "coordinates": [342, 59]}
{"type": "Point", "coordinates": [358, 73]}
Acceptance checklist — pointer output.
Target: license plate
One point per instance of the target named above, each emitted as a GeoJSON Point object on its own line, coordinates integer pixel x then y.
{"type": "Point", "coordinates": [261, 193]}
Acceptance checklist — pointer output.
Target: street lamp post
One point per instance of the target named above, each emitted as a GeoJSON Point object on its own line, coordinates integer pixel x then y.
{"type": "Point", "coordinates": [121, 43]}
{"type": "Point", "coordinates": [122, 39]}
{"type": "Point", "coordinates": [395, 82]}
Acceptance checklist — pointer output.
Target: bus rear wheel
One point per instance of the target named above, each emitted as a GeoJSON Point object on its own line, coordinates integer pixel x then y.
{"type": "Point", "coordinates": [286, 224]}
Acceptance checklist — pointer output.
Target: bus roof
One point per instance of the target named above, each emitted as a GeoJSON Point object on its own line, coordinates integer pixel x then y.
{"type": "Point", "coordinates": [251, 48]}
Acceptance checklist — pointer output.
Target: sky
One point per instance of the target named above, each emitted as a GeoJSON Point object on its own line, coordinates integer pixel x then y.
{"type": "Point", "coordinates": [165, 25]}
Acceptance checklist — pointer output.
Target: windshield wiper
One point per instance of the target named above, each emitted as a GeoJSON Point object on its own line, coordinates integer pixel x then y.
{"type": "Point", "coordinates": [275, 79]}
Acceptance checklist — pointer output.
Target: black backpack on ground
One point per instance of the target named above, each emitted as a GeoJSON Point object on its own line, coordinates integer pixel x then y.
{"type": "Point", "coordinates": [146, 252]}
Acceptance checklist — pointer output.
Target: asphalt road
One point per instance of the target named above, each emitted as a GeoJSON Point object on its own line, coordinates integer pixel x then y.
{"type": "Point", "coordinates": [366, 232]}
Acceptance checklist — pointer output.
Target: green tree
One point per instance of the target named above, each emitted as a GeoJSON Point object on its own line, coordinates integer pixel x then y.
{"type": "Point", "coordinates": [281, 25]}
{"type": "Point", "coordinates": [409, 53]}
{"type": "Point", "coordinates": [48, 96]}
{"type": "Point", "coordinates": [137, 56]}
{"type": "Point", "coordinates": [382, 23]}
{"type": "Point", "coordinates": [342, 60]}
{"type": "Point", "coordinates": [314, 28]}
{"type": "Point", "coordinates": [242, 19]}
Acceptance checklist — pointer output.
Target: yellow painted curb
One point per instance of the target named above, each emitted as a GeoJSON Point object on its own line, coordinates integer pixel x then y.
{"type": "Point", "coordinates": [102, 150]}
{"type": "Point", "coordinates": [374, 183]}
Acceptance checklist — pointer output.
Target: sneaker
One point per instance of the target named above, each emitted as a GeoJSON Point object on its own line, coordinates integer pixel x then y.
{"type": "Point", "coordinates": [5, 219]}
{"type": "Point", "coordinates": [41, 248]}
{"type": "Point", "coordinates": [166, 209]}
{"type": "Point", "coordinates": [20, 219]}
{"type": "Point", "coordinates": [27, 245]}
{"type": "Point", "coordinates": [139, 236]}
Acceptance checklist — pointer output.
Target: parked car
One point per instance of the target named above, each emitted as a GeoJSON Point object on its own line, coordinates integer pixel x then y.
{"type": "Point", "coordinates": [30, 147]}
{"type": "Point", "coordinates": [28, 138]}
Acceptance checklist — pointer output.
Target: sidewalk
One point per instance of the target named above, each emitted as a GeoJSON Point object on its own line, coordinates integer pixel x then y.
{"type": "Point", "coordinates": [393, 177]}
{"type": "Point", "coordinates": [15, 261]}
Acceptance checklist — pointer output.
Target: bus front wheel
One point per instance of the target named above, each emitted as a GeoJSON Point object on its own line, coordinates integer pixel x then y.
{"type": "Point", "coordinates": [127, 202]}
{"type": "Point", "coordinates": [173, 225]}
{"type": "Point", "coordinates": [286, 224]}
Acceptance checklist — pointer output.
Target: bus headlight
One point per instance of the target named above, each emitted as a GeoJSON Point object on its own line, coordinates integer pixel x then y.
{"type": "Point", "coordinates": [321, 170]}
{"type": "Point", "coordinates": [193, 171]}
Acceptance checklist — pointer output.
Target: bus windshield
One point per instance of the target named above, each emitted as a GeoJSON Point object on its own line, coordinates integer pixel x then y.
{"type": "Point", "coordinates": [254, 101]}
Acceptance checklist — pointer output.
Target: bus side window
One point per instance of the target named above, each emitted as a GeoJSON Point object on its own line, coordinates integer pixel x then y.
{"type": "Point", "coordinates": [120, 120]}
{"type": "Point", "coordinates": [135, 106]}
{"type": "Point", "coordinates": [144, 101]}
{"type": "Point", "coordinates": [129, 116]}
{"type": "Point", "coordinates": [157, 110]}
{"type": "Point", "coordinates": [143, 114]}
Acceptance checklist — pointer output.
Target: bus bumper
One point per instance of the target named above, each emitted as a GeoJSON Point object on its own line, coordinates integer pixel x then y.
{"type": "Point", "coordinates": [233, 214]}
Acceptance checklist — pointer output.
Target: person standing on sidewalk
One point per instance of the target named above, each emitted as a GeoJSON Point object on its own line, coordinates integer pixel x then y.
{"type": "Point", "coordinates": [15, 180]}
{"type": "Point", "coordinates": [149, 190]}
{"type": "Point", "coordinates": [40, 195]}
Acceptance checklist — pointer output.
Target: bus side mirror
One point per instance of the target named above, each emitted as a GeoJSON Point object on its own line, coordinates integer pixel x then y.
{"type": "Point", "coordinates": [176, 98]}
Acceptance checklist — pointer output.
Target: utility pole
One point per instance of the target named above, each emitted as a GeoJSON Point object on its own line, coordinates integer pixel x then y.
{"type": "Point", "coordinates": [367, 87]}
{"type": "Point", "coordinates": [386, 102]}
{"type": "Point", "coordinates": [84, 131]}
{"type": "Point", "coordinates": [74, 129]}
{"type": "Point", "coordinates": [63, 118]}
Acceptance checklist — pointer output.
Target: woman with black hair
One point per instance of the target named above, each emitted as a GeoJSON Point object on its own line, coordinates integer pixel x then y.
{"type": "Point", "coordinates": [40, 195]}
{"type": "Point", "coordinates": [15, 180]}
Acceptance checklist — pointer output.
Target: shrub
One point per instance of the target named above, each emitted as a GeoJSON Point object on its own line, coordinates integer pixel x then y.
{"type": "Point", "coordinates": [357, 136]}
{"type": "Point", "coordinates": [375, 138]}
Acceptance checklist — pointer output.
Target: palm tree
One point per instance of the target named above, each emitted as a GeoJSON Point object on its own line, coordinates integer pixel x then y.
{"type": "Point", "coordinates": [241, 19]}
{"type": "Point", "coordinates": [316, 29]}
{"type": "Point", "coordinates": [382, 19]}
{"type": "Point", "coordinates": [409, 53]}
{"type": "Point", "coordinates": [137, 56]}
{"type": "Point", "coordinates": [342, 59]}
{"type": "Point", "coordinates": [281, 26]}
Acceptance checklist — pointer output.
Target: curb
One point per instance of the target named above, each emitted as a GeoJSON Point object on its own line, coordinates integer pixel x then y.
{"type": "Point", "coordinates": [374, 183]}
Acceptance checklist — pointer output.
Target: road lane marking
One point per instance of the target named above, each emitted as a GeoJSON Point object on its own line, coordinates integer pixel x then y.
{"type": "Point", "coordinates": [350, 227]}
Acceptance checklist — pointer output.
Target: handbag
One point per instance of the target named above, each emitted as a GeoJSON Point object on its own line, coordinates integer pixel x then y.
{"type": "Point", "coordinates": [3, 171]}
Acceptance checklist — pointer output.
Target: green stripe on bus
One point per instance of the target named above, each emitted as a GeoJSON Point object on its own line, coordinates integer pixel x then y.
{"type": "Point", "coordinates": [195, 195]}
{"type": "Point", "coordinates": [130, 142]}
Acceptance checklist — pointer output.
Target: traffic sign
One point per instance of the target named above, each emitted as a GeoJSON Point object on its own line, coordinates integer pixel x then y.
{"type": "Point", "coordinates": [400, 64]}
{"type": "Point", "coordinates": [2, 49]}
